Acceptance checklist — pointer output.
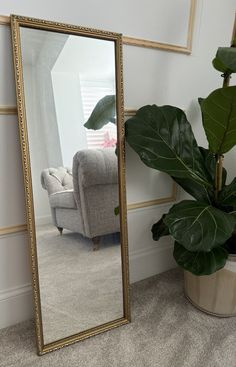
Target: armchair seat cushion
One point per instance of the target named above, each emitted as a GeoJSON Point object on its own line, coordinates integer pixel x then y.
{"type": "Point", "coordinates": [63, 199]}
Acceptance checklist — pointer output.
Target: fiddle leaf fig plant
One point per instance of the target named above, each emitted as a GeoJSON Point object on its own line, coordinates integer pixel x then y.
{"type": "Point", "coordinates": [203, 229]}
{"type": "Point", "coordinates": [103, 112]}
{"type": "Point", "coordinates": [219, 111]}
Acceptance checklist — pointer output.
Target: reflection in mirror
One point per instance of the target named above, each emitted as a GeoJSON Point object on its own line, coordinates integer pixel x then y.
{"type": "Point", "coordinates": [74, 180]}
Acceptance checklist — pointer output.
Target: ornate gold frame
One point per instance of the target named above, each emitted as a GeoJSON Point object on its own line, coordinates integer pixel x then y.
{"type": "Point", "coordinates": [16, 23]}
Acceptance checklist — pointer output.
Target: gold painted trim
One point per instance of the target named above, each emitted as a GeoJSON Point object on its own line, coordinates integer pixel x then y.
{"type": "Point", "coordinates": [13, 229]}
{"type": "Point", "coordinates": [133, 41]}
{"type": "Point", "coordinates": [166, 46]}
{"type": "Point", "coordinates": [16, 22]}
{"type": "Point", "coordinates": [129, 112]}
{"type": "Point", "coordinates": [144, 204]}
{"type": "Point", "coordinates": [139, 42]}
{"type": "Point", "coordinates": [191, 25]}
{"type": "Point", "coordinates": [8, 110]}
{"type": "Point", "coordinates": [12, 110]}
{"type": "Point", "coordinates": [4, 20]}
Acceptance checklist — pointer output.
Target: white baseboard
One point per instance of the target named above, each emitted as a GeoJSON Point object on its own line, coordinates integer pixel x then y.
{"type": "Point", "coordinates": [150, 261]}
{"type": "Point", "coordinates": [16, 305]}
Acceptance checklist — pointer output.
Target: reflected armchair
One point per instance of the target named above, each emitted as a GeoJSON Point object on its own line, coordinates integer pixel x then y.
{"type": "Point", "coordinates": [84, 201]}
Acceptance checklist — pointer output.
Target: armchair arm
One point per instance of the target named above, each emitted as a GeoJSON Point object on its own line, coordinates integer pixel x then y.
{"type": "Point", "coordinates": [56, 179]}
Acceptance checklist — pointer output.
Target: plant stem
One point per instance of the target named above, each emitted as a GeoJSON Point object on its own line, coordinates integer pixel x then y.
{"type": "Point", "coordinates": [220, 157]}
{"type": "Point", "coordinates": [226, 80]}
{"type": "Point", "coordinates": [218, 174]}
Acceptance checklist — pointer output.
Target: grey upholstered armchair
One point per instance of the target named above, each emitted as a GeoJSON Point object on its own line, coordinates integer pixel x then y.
{"type": "Point", "coordinates": [84, 201]}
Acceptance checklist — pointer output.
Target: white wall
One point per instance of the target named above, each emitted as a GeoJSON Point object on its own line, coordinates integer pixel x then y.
{"type": "Point", "coordinates": [150, 76]}
{"type": "Point", "coordinates": [38, 90]}
{"type": "Point", "coordinates": [70, 118]}
{"type": "Point", "coordinates": [74, 65]}
{"type": "Point", "coordinates": [39, 161]}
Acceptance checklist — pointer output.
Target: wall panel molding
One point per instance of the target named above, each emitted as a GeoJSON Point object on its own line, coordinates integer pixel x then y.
{"type": "Point", "coordinates": [129, 112]}
{"type": "Point", "coordinates": [12, 229]}
{"type": "Point", "coordinates": [132, 41]}
{"type": "Point", "coordinates": [163, 200]}
{"type": "Point", "coordinates": [9, 230]}
{"type": "Point", "coordinates": [12, 110]}
{"type": "Point", "coordinates": [140, 42]}
{"type": "Point", "coordinates": [4, 20]}
{"type": "Point", "coordinates": [8, 110]}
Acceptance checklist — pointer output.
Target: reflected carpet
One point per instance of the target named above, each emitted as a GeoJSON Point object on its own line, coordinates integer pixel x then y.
{"type": "Point", "coordinates": [79, 288]}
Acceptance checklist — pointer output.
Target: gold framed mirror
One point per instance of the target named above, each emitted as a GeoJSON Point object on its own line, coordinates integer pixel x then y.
{"type": "Point", "coordinates": [74, 178]}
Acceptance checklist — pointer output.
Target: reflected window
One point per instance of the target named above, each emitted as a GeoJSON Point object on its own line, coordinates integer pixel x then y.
{"type": "Point", "coordinates": [91, 92]}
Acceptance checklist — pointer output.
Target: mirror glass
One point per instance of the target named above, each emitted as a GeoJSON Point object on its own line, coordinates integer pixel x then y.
{"type": "Point", "coordinates": [74, 180]}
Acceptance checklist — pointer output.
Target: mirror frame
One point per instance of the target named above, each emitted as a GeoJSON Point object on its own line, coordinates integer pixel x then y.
{"type": "Point", "coordinates": [16, 23]}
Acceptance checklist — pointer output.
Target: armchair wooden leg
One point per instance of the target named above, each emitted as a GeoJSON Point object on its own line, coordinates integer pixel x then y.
{"type": "Point", "coordinates": [60, 230]}
{"type": "Point", "coordinates": [96, 242]}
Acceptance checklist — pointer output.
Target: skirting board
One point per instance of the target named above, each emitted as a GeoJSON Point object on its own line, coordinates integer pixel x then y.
{"type": "Point", "coordinates": [151, 261]}
{"type": "Point", "coordinates": [16, 304]}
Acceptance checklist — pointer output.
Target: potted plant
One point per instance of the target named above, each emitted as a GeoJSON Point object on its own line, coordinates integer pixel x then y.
{"type": "Point", "coordinates": [203, 228]}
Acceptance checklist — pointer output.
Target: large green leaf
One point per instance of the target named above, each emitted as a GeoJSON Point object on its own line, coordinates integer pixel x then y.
{"type": "Point", "coordinates": [219, 119]}
{"type": "Point", "coordinates": [198, 226]}
{"type": "Point", "coordinates": [163, 138]}
{"type": "Point", "coordinates": [200, 263]}
{"type": "Point", "coordinates": [103, 112]}
{"type": "Point", "coordinates": [225, 60]}
{"type": "Point", "coordinates": [218, 65]}
{"type": "Point", "coordinates": [160, 229]}
{"type": "Point", "coordinates": [197, 190]}
{"type": "Point", "coordinates": [227, 195]}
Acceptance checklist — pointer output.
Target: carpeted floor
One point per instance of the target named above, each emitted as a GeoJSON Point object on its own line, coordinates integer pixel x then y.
{"type": "Point", "coordinates": [79, 288]}
{"type": "Point", "coordinates": [166, 331]}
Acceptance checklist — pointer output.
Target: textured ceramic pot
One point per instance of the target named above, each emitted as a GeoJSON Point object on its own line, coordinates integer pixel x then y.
{"type": "Point", "coordinates": [215, 293]}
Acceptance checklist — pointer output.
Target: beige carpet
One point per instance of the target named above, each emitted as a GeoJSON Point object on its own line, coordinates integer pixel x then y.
{"type": "Point", "coordinates": [79, 288]}
{"type": "Point", "coordinates": [166, 331]}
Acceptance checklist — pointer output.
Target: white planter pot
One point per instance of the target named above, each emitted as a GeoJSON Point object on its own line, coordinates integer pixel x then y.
{"type": "Point", "coordinates": [215, 293]}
